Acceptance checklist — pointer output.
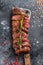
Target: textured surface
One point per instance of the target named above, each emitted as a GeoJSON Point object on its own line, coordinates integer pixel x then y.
{"type": "Point", "coordinates": [35, 31]}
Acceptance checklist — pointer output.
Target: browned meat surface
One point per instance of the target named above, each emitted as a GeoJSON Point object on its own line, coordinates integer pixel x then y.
{"type": "Point", "coordinates": [18, 11]}
{"type": "Point", "coordinates": [16, 17]}
{"type": "Point", "coordinates": [20, 28]}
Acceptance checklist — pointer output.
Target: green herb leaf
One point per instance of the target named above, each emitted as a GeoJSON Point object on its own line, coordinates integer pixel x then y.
{"type": "Point", "coordinates": [21, 25]}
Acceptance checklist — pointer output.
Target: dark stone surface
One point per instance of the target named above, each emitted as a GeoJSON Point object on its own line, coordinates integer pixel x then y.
{"type": "Point", "coordinates": [35, 31]}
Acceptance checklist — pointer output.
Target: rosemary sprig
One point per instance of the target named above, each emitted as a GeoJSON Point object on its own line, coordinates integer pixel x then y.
{"type": "Point", "coordinates": [21, 24]}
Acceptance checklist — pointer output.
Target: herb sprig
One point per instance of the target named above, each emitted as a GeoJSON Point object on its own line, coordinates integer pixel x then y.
{"type": "Point", "coordinates": [21, 25]}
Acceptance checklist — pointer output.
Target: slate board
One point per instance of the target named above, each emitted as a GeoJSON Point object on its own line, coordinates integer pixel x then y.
{"type": "Point", "coordinates": [35, 31]}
